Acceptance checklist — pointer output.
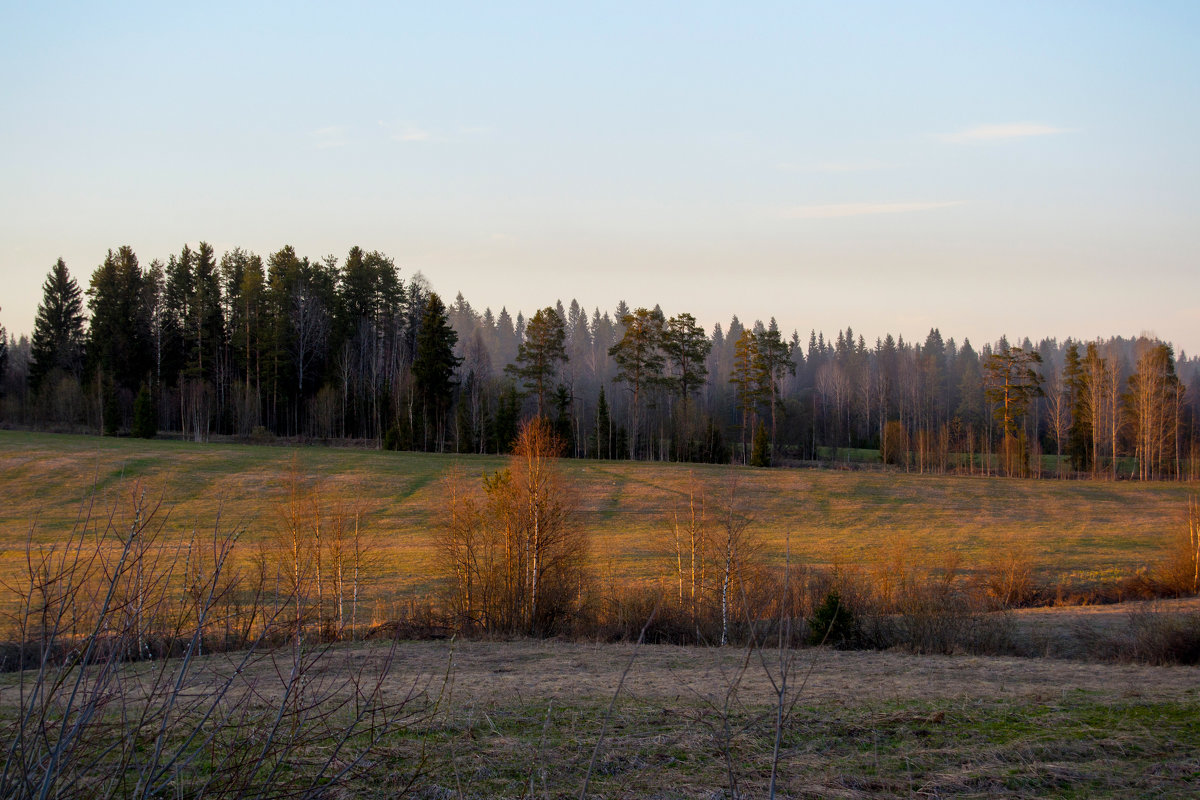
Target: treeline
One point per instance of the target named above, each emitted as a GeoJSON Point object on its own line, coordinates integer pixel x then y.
{"type": "Point", "coordinates": [347, 349]}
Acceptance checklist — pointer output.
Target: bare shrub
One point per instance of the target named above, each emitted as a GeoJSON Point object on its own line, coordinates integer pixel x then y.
{"type": "Point", "coordinates": [320, 559]}
{"type": "Point", "coordinates": [735, 549]}
{"type": "Point", "coordinates": [1161, 638]}
{"type": "Point", "coordinates": [1009, 582]}
{"type": "Point", "coordinates": [98, 711]}
{"type": "Point", "coordinates": [514, 557]}
{"type": "Point", "coordinates": [903, 604]}
{"type": "Point", "coordinates": [1179, 574]}
{"type": "Point", "coordinates": [1149, 636]}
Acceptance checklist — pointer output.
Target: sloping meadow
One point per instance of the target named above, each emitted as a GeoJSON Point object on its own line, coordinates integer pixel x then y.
{"type": "Point", "coordinates": [1080, 535]}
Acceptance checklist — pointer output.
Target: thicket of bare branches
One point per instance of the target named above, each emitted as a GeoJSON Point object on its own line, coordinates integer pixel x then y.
{"type": "Point", "coordinates": [513, 551]}
{"type": "Point", "coordinates": [116, 695]}
{"type": "Point", "coordinates": [322, 556]}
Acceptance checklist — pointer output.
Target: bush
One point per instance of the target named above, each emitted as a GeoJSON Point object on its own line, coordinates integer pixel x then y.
{"type": "Point", "coordinates": [833, 623]}
{"type": "Point", "coordinates": [1151, 637]}
{"type": "Point", "coordinates": [1179, 574]}
{"type": "Point", "coordinates": [145, 423]}
{"type": "Point", "coordinates": [1166, 638]}
{"type": "Point", "coordinates": [260, 435]}
{"type": "Point", "coordinates": [927, 628]}
{"type": "Point", "coordinates": [391, 439]}
{"type": "Point", "coordinates": [1008, 582]}
{"type": "Point", "coordinates": [894, 449]}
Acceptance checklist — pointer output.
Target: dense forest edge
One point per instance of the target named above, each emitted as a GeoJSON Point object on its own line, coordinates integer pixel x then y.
{"type": "Point", "coordinates": [346, 350]}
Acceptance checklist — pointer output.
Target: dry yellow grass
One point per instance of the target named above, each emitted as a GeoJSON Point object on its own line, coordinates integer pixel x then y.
{"type": "Point", "coordinates": [1085, 532]}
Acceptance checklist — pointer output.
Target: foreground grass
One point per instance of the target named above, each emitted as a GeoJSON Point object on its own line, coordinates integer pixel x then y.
{"type": "Point", "coordinates": [524, 718]}
{"type": "Point", "coordinates": [1082, 533]}
{"type": "Point", "coordinates": [1073, 747]}
{"type": "Point", "coordinates": [691, 721]}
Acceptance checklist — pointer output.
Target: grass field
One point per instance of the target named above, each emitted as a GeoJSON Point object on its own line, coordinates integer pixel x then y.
{"type": "Point", "coordinates": [1079, 532]}
{"type": "Point", "coordinates": [531, 718]}
{"type": "Point", "coordinates": [863, 725]}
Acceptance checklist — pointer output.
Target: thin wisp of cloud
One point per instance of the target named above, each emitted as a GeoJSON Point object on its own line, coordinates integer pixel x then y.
{"type": "Point", "coordinates": [406, 132]}
{"type": "Point", "coordinates": [1011, 130]}
{"type": "Point", "coordinates": [840, 210]}
{"type": "Point", "coordinates": [834, 166]}
{"type": "Point", "coordinates": [329, 136]}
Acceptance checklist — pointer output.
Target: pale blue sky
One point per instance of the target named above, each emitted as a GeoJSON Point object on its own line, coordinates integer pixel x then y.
{"type": "Point", "coordinates": [989, 168]}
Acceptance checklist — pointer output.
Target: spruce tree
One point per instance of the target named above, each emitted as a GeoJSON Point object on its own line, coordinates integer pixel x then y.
{"type": "Point", "coordinates": [145, 422]}
{"type": "Point", "coordinates": [603, 437]}
{"type": "Point", "coordinates": [57, 342]}
{"type": "Point", "coordinates": [434, 365]}
{"type": "Point", "coordinates": [119, 337]}
{"type": "Point", "coordinates": [562, 418]}
{"type": "Point", "coordinates": [178, 296]}
{"type": "Point", "coordinates": [3, 357]}
{"type": "Point", "coordinates": [504, 425]}
{"type": "Point", "coordinates": [464, 442]}
{"type": "Point", "coordinates": [206, 325]}
{"type": "Point", "coordinates": [760, 456]}
{"type": "Point", "coordinates": [111, 412]}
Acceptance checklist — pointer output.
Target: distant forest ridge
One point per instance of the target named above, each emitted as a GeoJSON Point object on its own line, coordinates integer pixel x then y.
{"type": "Point", "coordinates": [348, 349]}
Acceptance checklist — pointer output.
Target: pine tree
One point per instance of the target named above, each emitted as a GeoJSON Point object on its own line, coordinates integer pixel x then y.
{"type": "Point", "coordinates": [686, 348]}
{"type": "Point", "coordinates": [773, 361]}
{"type": "Point", "coordinates": [1012, 383]}
{"type": "Point", "coordinates": [640, 362]}
{"type": "Point", "coordinates": [58, 328]}
{"type": "Point", "coordinates": [745, 378]}
{"type": "Point", "coordinates": [539, 356]}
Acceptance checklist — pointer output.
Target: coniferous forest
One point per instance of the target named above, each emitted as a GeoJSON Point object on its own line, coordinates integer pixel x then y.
{"type": "Point", "coordinates": [349, 349]}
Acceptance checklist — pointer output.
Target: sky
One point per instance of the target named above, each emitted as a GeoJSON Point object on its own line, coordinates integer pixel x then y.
{"type": "Point", "coordinates": [1020, 169]}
